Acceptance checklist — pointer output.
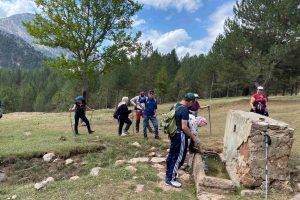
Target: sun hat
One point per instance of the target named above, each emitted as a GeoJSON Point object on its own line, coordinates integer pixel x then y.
{"type": "Point", "coordinates": [260, 87]}
{"type": "Point", "coordinates": [189, 97]}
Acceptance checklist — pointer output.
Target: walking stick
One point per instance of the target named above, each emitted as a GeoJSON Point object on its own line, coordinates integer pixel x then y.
{"type": "Point", "coordinates": [209, 120]}
{"type": "Point", "coordinates": [71, 121]}
{"type": "Point", "coordinates": [91, 118]}
{"type": "Point", "coordinates": [268, 142]}
{"type": "Point", "coordinates": [132, 123]}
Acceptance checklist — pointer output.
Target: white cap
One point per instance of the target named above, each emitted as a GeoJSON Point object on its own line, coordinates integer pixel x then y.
{"type": "Point", "coordinates": [196, 95]}
{"type": "Point", "coordinates": [260, 87]}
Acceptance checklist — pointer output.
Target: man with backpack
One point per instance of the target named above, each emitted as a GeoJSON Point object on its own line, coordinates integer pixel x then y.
{"type": "Point", "coordinates": [150, 113]}
{"type": "Point", "coordinates": [139, 111]}
{"type": "Point", "coordinates": [179, 141]}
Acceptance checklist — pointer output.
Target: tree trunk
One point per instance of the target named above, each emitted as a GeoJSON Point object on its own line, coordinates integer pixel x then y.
{"type": "Point", "coordinates": [283, 91]}
{"type": "Point", "coordinates": [106, 98]}
{"type": "Point", "coordinates": [211, 87]}
{"type": "Point", "coordinates": [84, 90]}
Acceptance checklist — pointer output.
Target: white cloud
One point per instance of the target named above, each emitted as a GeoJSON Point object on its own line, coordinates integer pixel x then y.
{"type": "Point", "coordinates": [168, 17]}
{"type": "Point", "coordinates": [8, 8]}
{"type": "Point", "coordinates": [167, 41]}
{"type": "Point", "coordinates": [216, 20]}
{"type": "Point", "coordinates": [174, 39]}
{"type": "Point", "coordinates": [197, 19]}
{"type": "Point", "coordinates": [188, 5]}
{"type": "Point", "coordinates": [137, 22]}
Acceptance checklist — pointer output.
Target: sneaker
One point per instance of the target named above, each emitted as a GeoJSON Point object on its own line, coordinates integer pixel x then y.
{"type": "Point", "coordinates": [157, 138]}
{"type": "Point", "coordinates": [90, 132]}
{"type": "Point", "coordinates": [175, 184]}
{"type": "Point", "coordinates": [124, 134]}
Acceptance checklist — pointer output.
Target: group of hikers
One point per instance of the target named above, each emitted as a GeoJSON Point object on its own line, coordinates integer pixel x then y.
{"type": "Point", "coordinates": [185, 115]}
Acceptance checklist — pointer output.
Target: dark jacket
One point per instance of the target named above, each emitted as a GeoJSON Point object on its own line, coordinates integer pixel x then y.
{"type": "Point", "coordinates": [123, 111]}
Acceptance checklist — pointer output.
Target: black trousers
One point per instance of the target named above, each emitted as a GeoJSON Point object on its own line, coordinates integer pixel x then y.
{"type": "Point", "coordinates": [83, 117]}
{"type": "Point", "coordinates": [121, 124]}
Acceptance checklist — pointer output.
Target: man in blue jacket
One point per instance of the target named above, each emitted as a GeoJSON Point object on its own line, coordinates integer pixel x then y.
{"type": "Point", "coordinates": [150, 113]}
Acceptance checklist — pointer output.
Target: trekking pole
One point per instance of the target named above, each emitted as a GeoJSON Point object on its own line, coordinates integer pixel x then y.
{"type": "Point", "coordinates": [209, 119]}
{"type": "Point", "coordinates": [268, 142]}
{"type": "Point", "coordinates": [91, 118]}
{"type": "Point", "coordinates": [71, 121]}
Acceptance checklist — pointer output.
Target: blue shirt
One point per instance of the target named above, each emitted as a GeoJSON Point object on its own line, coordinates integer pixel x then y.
{"type": "Point", "coordinates": [150, 106]}
{"type": "Point", "coordinates": [182, 113]}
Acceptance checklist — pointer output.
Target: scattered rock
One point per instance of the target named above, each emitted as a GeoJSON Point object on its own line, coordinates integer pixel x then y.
{"type": "Point", "coordinates": [27, 133]}
{"type": "Point", "coordinates": [251, 192]}
{"type": "Point", "coordinates": [139, 159]}
{"type": "Point", "coordinates": [56, 160]}
{"type": "Point", "coordinates": [63, 138]}
{"type": "Point", "coordinates": [134, 177]}
{"type": "Point", "coordinates": [74, 177]}
{"type": "Point", "coordinates": [14, 197]}
{"type": "Point", "coordinates": [158, 160]}
{"type": "Point", "coordinates": [168, 150]}
{"type": "Point", "coordinates": [158, 166]}
{"type": "Point", "coordinates": [152, 154]}
{"type": "Point", "coordinates": [69, 161]}
{"type": "Point", "coordinates": [40, 185]}
{"type": "Point", "coordinates": [152, 149]}
{"type": "Point", "coordinates": [48, 157]}
{"type": "Point", "coordinates": [181, 172]}
{"type": "Point", "coordinates": [119, 162]}
{"type": "Point", "coordinates": [209, 196]}
{"type": "Point", "coordinates": [95, 171]}
{"type": "Point", "coordinates": [49, 179]}
{"type": "Point", "coordinates": [158, 154]}
{"type": "Point", "coordinates": [139, 188]}
{"type": "Point", "coordinates": [131, 168]}
{"type": "Point", "coordinates": [136, 144]}
{"type": "Point", "coordinates": [185, 177]}
{"type": "Point", "coordinates": [298, 167]}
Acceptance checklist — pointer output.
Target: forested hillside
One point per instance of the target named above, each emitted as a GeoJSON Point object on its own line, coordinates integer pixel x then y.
{"type": "Point", "coordinates": [15, 52]}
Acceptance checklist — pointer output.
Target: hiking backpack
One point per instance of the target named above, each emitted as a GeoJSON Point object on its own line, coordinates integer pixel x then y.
{"type": "Point", "coordinates": [168, 124]}
{"type": "Point", "coordinates": [116, 113]}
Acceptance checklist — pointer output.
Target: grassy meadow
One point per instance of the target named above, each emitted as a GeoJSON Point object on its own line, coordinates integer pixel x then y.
{"type": "Point", "coordinates": [26, 137]}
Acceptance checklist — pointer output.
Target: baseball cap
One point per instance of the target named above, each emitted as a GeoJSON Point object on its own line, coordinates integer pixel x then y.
{"type": "Point", "coordinates": [150, 91]}
{"type": "Point", "coordinates": [260, 87]}
{"type": "Point", "coordinates": [79, 98]}
{"type": "Point", "coordinates": [189, 97]}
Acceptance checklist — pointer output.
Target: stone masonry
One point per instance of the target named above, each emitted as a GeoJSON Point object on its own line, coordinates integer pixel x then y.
{"type": "Point", "coordinates": [244, 148]}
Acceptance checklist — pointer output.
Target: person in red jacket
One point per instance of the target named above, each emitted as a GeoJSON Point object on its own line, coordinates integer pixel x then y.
{"type": "Point", "coordinates": [258, 102]}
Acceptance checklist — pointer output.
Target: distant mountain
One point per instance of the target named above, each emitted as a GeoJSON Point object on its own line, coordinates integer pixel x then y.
{"type": "Point", "coordinates": [16, 52]}
{"type": "Point", "coordinates": [13, 25]}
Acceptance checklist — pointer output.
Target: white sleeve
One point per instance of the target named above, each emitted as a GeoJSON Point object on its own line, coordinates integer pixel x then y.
{"type": "Point", "coordinates": [134, 100]}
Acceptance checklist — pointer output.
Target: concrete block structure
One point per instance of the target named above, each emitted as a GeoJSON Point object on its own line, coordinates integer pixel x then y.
{"type": "Point", "coordinates": [244, 148]}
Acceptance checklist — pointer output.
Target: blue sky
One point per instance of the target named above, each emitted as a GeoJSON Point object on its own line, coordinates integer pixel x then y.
{"type": "Point", "coordinates": [189, 26]}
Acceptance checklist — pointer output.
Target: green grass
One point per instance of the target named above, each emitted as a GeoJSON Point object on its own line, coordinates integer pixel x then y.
{"type": "Point", "coordinates": [20, 155]}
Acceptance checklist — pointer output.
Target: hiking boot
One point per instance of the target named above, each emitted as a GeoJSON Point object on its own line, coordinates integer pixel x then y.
{"type": "Point", "coordinates": [90, 132]}
{"type": "Point", "coordinates": [157, 138]}
{"type": "Point", "coordinates": [175, 184]}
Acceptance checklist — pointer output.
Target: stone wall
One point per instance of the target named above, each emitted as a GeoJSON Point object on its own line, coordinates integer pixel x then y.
{"type": "Point", "coordinates": [244, 147]}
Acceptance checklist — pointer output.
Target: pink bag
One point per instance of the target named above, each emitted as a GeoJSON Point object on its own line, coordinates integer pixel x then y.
{"type": "Point", "coordinates": [200, 121]}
